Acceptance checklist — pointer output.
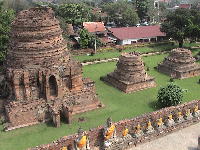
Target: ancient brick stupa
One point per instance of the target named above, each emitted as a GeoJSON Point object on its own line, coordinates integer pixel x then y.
{"type": "Point", "coordinates": [180, 64]}
{"type": "Point", "coordinates": [41, 81]}
{"type": "Point", "coordinates": [130, 74]}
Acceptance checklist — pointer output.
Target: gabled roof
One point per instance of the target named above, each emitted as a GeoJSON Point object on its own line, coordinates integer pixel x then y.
{"type": "Point", "coordinates": [136, 32]}
{"type": "Point", "coordinates": [185, 6]}
{"type": "Point", "coordinates": [94, 26]}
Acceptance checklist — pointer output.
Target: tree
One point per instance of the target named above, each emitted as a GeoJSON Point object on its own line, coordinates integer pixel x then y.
{"type": "Point", "coordinates": [18, 5]}
{"type": "Point", "coordinates": [142, 9]}
{"type": "Point", "coordinates": [84, 38]}
{"type": "Point", "coordinates": [6, 17]}
{"type": "Point", "coordinates": [177, 24]}
{"type": "Point", "coordinates": [193, 30]}
{"type": "Point", "coordinates": [171, 95]}
{"type": "Point", "coordinates": [74, 13]}
{"type": "Point", "coordinates": [121, 12]}
{"type": "Point", "coordinates": [129, 17]}
{"type": "Point", "coordinates": [87, 40]}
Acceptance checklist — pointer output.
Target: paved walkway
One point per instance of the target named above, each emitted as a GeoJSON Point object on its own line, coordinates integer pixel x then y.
{"type": "Point", "coordinates": [185, 139]}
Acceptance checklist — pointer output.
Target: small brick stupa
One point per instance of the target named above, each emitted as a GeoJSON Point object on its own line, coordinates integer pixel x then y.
{"type": "Point", "coordinates": [41, 81]}
{"type": "Point", "coordinates": [130, 74]}
{"type": "Point", "coordinates": [179, 64]}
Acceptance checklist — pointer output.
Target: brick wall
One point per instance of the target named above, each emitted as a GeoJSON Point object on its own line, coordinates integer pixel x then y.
{"type": "Point", "coordinates": [96, 135]}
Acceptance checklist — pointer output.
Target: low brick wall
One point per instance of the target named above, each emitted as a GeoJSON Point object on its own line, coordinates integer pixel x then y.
{"type": "Point", "coordinates": [92, 62]}
{"type": "Point", "coordinates": [96, 135]}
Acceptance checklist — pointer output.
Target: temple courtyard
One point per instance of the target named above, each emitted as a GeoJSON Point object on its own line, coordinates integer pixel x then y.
{"type": "Point", "coordinates": [185, 139]}
{"type": "Point", "coordinates": [118, 105]}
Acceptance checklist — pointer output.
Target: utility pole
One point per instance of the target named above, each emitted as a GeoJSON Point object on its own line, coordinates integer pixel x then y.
{"type": "Point", "coordinates": [157, 7]}
{"type": "Point", "coordinates": [95, 41]}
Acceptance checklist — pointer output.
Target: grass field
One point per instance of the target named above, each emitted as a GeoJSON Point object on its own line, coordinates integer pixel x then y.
{"type": "Point", "coordinates": [117, 105]}
{"type": "Point", "coordinates": [149, 48]}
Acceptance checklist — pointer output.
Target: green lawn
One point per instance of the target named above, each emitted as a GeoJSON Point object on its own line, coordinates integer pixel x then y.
{"type": "Point", "coordinates": [149, 48]}
{"type": "Point", "coordinates": [117, 105]}
{"type": "Point", "coordinates": [112, 54]}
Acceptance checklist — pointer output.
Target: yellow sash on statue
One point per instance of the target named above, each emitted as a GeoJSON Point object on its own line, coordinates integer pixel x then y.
{"type": "Point", "coordinates": [64, 148]}
{"type": "Point", "coordinates": [110, 132]}
{"type": "Point", "coordinates": [82, 142]}
{"type": "Point", "coordinates": [125, 132]}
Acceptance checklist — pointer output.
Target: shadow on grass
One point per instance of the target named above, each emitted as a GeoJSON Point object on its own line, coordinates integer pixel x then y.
{"type": "Point", "coordinates": [49, 124]}
{"type": "Point", "coordinates": [154, 105]}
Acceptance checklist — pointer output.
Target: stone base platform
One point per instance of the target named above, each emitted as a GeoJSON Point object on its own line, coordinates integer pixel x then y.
{"type": "Point", "coordinates": [179, 74]}
{"type": "Point", "coordinates": [129, 87]}
{"type": "Point", "coordinates": [120, 143]}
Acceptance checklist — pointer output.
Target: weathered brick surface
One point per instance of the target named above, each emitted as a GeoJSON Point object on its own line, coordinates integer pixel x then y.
{"type": "Point", "coordinates": [96, 135]}
{"type": "Point", "coordinates": [130, 74]}
{"type": "Point", "coordinates": [180, 64]}
{"type": "Point", "coordinates": [41, 79]}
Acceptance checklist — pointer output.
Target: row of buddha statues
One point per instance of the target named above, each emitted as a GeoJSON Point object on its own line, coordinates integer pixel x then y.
{"type": "Point", "coordinates": [109, 131]}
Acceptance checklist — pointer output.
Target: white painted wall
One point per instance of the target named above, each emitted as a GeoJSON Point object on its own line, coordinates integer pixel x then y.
{"type": "Point", "coordinates": [129, 41]}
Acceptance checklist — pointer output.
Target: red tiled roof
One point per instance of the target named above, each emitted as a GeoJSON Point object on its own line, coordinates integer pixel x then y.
{"type": "Point", "coordinates": [94, 26]}
{"type": "Point", "coordinates": [136, 32]}
{"type": "Point", "coordinates": [185, 6]}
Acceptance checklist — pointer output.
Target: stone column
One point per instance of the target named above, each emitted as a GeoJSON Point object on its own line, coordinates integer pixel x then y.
{"type": "Point", "coordinates": [56, 120]}
{"type": "Point", "coordinates": [16, 82]}
{"type": "Point", "coordinates": [47, 85]}
{"type": "Point", "coordinates": [68, 114]}
{"type": "Point", "coordinates": [27, 85]}
{"type": "Point", "coordinates": [77, 82]}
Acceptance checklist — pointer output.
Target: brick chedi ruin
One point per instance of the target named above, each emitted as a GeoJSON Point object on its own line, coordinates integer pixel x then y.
{"type": "Point", "coordinates": [130, 74]}
{"type": "Point", "coordinates": [180, 64]}
{"type": "Point", "coordinates": [41, 82]}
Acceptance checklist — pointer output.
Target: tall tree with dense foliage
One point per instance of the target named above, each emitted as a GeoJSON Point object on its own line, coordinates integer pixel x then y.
{"type": "Point", "coordinates": [74, 13]}
{"type": "Point", "coordinates": [18, 5]}
{"type": "Point", "coordinates": [177, 25]}
{"type": "Point", "coordinates": [6, 17]}
{"type": "Point", "coordinates": [121, 12]}
{"type": "Point", "coordinates": [171, 95]}
{"type": "Point", "coordinates": [142, 9]}
{"type": "Point", "coordinates": [87, 40]}
{"type": "Point", "coordinates": [129, 17]}
{"type": "Point", "coordinates": [193, 30]}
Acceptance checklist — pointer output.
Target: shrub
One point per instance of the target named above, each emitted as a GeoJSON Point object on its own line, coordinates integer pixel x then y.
{"type": "Point", "coordinates": [171, 80]}
{"type": "Point", "coordinates": [102, 78]}
{"type": "Point", "coordinates": [2, 120]}
{"type": "Point", "coordinates": [171, 95]}
{"type": "Point", "coordinates": [92, 54]}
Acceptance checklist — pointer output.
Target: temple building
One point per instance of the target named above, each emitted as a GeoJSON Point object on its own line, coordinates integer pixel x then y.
{"type": "Point", "coordinates": [130, 75]}
{"type": "Point", "coordinates": [180, 64]}
{"type": "Point", "coordinates": [41, 80]}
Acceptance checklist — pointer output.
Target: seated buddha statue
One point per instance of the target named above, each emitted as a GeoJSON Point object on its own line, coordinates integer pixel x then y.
{"type": "Point", "coordinates": [82, 142]}
{"type": "Point", "coordinates": [170, 121]}
{"type": "Point", "coordinates": [64, 148]}
{"type": "Point", "coordinates": [196, 112]}
{"type": "Point", "coordinates": [188, 115]}
{"type": "Point", "coordinates": [138, 131]}
{"type": "Point", "coordinates": [125, 132]}
{"type": "Point", "coordinates": [109, 133]}
{"type": "Point", "coordinates": [179, 118]}
{"type": "Point", "coordinates": [160, 124]}
{"type": "Point", "coordinates": [149, 128]}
